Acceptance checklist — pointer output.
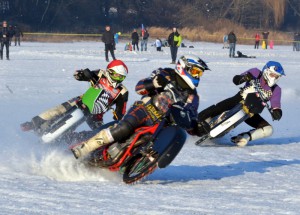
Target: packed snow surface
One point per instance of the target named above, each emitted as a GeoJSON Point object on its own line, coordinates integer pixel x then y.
{"type": "Point", "coordinates": [37, 178]}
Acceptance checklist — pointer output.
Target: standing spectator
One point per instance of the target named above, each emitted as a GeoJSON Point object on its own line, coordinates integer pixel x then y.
{"type": "Point", "coordinates": [257, 39]}
{"type": "Point", "coordinates": [11, 33]}
{"type": "Point", "coordinates": [158, 44]}
{"type": "Point", "coordinates": [108, 40]}
{"type": "Point", "coordinates": [116, 37]}
{"type": "Point", "coordinates": [144, 40]}
{"type": "Point", "coordinates": [135, 39]}
{"type": "Point", "coordinates": [296, 42]}
{"type": "Point", "coordinates": [225, 42]}
{"type": "Point", "coordinates": [18, 35]}
{"type": "Point", "coordinates": [265, 35]}
{"type": "Point", "coordinates": [232, 41]}
{"type": "Point", "coordinates": [271, 44]}
{"type": "Point", "coordinates": [174, 41]}
{"type": "Point", "coordinates": [4, 36]}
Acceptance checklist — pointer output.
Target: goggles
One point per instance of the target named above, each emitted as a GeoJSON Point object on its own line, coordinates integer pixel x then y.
{"type": "Point", "coordinates": [116, 76]}
{"type": "Point", "coordinates": [274, 75]}
{"type": "Point", "coordinates": [196, 72]}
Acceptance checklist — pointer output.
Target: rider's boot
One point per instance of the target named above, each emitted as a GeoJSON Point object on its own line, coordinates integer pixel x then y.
{"type": "Point", "coordinates": [41, 122]}
{"type": "Point", "coordinates": [101, 139]}
{"type": "Point", "coordinates": [242, 139]}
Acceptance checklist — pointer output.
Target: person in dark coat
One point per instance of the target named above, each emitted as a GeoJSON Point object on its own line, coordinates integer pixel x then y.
{"type": "Point", "coordinates": [4, 36]}
{"type": "Point", "coordinates": [18, 35]}
{"type": "Point", "coordinates": [174, 41]}
{"type": "Point", "coordinates": [232, 41]}
{"type": "Point", "coordinates": [11, 33]}
{"type": "Point", "coordinates": [109, 42]}
{"type": "Point", "coordinates": [145, 36]}
{"type": "Point", "coordinates": [135, 40]}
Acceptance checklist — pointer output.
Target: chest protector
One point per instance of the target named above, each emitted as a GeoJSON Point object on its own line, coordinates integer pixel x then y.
{"type": "Point", "coordinates": [100, 97]}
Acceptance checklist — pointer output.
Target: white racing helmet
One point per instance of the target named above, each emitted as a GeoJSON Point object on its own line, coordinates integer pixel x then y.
{"type": "Point", "coordinates": [116, 72]}
{"type": "Point", "coordinates": [191, 68]}
{"type": "Point", "coordinates": [272, 71]}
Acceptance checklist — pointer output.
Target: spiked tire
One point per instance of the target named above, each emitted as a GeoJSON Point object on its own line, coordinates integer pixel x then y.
{"type": "Point", "coordinates": [138, 167]}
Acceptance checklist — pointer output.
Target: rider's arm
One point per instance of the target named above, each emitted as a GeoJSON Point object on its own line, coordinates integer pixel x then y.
{"type": "Point", "coordinates": [86, 75]}
{"type": "Point", "coordinates": [156, 82]}
{"type": "Point", "coordinates": [121, 102]}
{"type": "Point", "coordinates": [275, 101]}
{"type": "Point", "coordinates": [246, 76]}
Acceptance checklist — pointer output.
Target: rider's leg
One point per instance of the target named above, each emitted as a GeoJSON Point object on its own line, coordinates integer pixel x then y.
{"type": "Point", "coordinates": [220, 107]}
{"type": "Point", "coordinates": [136, 117]}
{"type": "Point", "coordinates": [262, 129]}
{"type": "Point", "coordinates": [39, 123]}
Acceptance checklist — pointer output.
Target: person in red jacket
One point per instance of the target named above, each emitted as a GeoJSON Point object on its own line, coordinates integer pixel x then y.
{"type": "Point", "coordinates": [257, 39]}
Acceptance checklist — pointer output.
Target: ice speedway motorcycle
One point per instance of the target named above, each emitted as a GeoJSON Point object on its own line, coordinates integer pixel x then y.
{"type": "Point", "coordinates": [253, 102]}
{"type": "Point", "coordinates": [61, 128]}
{"type": "Point", "coordinates": [149, 148]}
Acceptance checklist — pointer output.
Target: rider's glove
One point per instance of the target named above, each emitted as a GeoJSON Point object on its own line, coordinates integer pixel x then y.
{"type": "Point", "coordinates": [248, 77]}
{"type": "Point", "coordinates": [159, 81]}
{"type": "Point", "coordinates": [276, 114]}
{"type": "Point", "coordinates": [239, 79]}
{"type": "Point", "coordinates": [80, 75]}
{"type": "Point", "coordinates": [85, 75]}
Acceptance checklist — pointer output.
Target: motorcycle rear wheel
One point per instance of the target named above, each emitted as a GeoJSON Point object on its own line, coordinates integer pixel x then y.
{"type": "Point", "coordinates": [138, 167]}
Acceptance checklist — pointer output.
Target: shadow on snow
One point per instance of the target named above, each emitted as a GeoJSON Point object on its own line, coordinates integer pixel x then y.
{"type": "Point", "coordinates": [186, 173]}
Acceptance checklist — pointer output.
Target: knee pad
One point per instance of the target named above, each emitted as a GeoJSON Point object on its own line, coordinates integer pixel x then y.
{"type": "Point", "coordinates": [263, 132]}
{"type": "Point", "coordinates": [121, 131]}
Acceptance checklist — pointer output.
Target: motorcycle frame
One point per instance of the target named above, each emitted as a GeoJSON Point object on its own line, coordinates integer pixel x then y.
{"type": "Point", "coordinates": [140, 131]}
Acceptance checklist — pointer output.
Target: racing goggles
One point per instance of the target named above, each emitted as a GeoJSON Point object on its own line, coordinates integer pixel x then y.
{"type": "Point", "coordinates": [116, 76]}
{"type": "Point", "coordinates": [274, 75]}
{"type": "Point", "coordinates": [196, 72]}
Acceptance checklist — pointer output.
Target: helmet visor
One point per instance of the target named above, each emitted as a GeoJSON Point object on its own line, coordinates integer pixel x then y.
{"type": "Point", "coordinates": [116, 76]}
{"type": "Point", "coordinates": [196, 72]}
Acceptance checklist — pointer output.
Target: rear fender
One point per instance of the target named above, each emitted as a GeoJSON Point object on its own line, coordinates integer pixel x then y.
{"type": "Point", "coordinates": [168, 143]}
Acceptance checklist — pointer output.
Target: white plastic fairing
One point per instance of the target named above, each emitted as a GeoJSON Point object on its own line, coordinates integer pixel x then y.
{"type": "Point", "coordinates": [226, 124]}
{"type": "Point", "coordinates": [75, 118]}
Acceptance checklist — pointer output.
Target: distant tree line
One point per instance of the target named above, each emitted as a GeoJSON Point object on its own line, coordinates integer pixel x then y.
{"type": "Point", "coordinates": [86, 16]}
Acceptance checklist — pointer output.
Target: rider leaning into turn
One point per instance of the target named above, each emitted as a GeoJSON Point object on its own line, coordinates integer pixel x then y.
{"type": "Point", "coordinates": [155, 102]}
{"type": "Point", "coordinates": [266, 79]}
{"type": "Point", "coordinates": [113, 92]}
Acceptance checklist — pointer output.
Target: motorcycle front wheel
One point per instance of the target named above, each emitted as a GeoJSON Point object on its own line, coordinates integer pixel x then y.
{"type": "Point", "coordinates": [138, 167]}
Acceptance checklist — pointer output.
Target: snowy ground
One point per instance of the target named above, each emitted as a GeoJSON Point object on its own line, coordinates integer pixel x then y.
{"type": "Point", "coordinates": [262, 178]}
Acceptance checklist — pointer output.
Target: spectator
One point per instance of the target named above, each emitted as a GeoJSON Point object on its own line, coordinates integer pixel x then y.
{"type": "Point", "coordinates": [265, 36]}
{"type": "Point", "coordinates": [158, 44]}
{"type": "Point", "coordinates": [296, 42]}
{"type": "Point", "coordinates": [174, 41]}
{"type": "Point", "coordinates": [11, 33]}
{"type": "Point", "coordinates": [271, 44]}
{"type": "Point", "coordinates": [116, 37]}
{"type": "Point", "coordinates": [135, 40]}
{"type": "Point", "coordinates": [144, 40]}
{"type": "Point", "coordinates": [232, 41]}
{"type": "Point", "coordinates": [4, 36]}
{"type": "Point", "coordinates": [109, 42]}
{"type": "Point", "coordinates": [128, 47]}
{"type": "Point", "coordinates": [225, 41]}
{"type": "Point", "coordinates": [18, 35]}
{"type": "Point", "coordinates": [257, 39]}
